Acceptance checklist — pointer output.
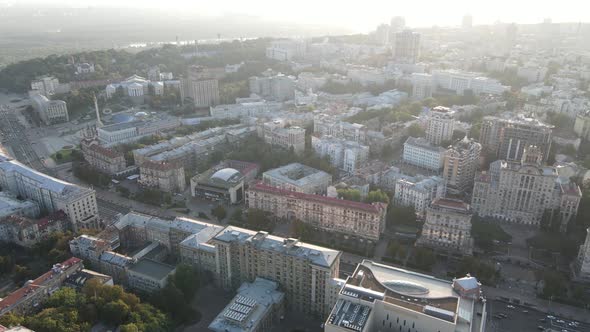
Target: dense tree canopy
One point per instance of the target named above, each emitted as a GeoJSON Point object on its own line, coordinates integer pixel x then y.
{"type": "Point", "coordinates": [67, 310]}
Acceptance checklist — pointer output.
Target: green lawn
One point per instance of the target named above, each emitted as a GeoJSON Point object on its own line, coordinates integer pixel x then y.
{"type": "Point", "coordinates": [66, 156]}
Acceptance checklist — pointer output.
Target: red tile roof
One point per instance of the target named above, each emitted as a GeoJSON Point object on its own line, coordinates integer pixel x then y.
{"type": "Point", "coordinates": [22, 292]}
{"type": "Point", "coordinates": [450, 203]}
{"type": "Point", "coordinates": [373, 208]}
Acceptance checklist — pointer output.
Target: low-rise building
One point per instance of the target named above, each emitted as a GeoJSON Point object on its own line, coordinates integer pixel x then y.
{"type": "Point", "coordinates": [28, 299]}
{"type": "Point", "coordinates": [298, 177]}
{"type": "Point", "coordinates": [148, 276]}
{"type": "Point", "coordinates": [205, 185]}
{"type": "Point", "coordinates": [378, 297]}
{"type": "Point", "coordinates": [447, 227]}
{"type": "Point", "coordinates": [330, 214]}
{"type": "Point", "coordinates": [257, 306]}
{"type": "Point", "coordinates": [80, 278]}
{"type": "Point", "coordinates": [421, 153]}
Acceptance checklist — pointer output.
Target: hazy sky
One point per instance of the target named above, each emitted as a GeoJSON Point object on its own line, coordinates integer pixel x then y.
{"type": "Point", "coordinates": [363, 15]}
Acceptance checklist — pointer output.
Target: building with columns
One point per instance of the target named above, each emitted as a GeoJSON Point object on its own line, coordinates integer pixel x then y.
{"type": "Point", "coordinates": [523, 192]}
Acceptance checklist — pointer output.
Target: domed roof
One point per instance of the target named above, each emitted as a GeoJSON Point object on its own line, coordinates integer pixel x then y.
{"type": "Point", "coordinates": [406, 287]}
{"type": "Point", "coordinates": [226, 174]}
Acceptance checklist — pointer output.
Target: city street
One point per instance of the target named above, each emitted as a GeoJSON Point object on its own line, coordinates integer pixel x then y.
{"type": "Point", "coordinates": [523, 319]}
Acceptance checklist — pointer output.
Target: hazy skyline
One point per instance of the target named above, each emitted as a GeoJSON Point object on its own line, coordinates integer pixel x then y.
{"type": "Point", "coordinates": [358, 16]}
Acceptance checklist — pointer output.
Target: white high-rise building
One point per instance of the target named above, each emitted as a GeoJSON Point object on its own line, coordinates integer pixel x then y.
{"type": "Point", "coordinates": [440, 125]}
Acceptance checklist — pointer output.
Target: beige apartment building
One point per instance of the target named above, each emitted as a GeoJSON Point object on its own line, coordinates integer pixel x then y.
{"type": "Point", "coordinates": [460, 164]}
{"type": "Point", "coordinates": [447, 227]}
{"type": "Point", "coordinates": [304, 271]}
{"type": "Point", "coordinates": [331, 214]}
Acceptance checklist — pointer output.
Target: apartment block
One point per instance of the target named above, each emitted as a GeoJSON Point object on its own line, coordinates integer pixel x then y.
{"type": "Point", "coordinates": [358, 219]}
